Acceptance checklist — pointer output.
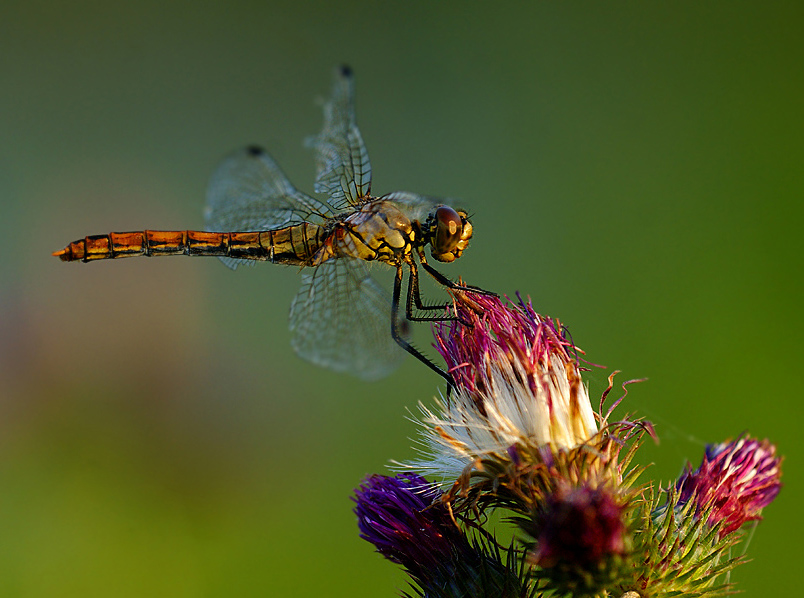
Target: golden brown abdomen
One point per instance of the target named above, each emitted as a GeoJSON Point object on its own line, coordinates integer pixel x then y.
{"type": "Point", "coordinates": [291, 245]}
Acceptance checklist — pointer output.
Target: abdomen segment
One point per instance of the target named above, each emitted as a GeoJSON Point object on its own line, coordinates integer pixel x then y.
{"type": "Point", "coordinates": [290, 245]}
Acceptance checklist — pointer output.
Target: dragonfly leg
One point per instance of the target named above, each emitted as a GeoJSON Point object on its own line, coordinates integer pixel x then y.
{"type": "Point", "coordinates": [414, 298]}
{"type": "Point", "coordinates": [443, 280]}
{"type": "Point", "coordinates": [396, 333]}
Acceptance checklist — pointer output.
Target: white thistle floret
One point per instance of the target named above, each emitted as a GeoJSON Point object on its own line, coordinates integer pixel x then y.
{"type": "Point", "coordinates": [554, 412]}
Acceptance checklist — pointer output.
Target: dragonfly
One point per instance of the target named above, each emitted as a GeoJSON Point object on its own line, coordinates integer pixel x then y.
{"type": "Point", "coordinates": [340, 316]}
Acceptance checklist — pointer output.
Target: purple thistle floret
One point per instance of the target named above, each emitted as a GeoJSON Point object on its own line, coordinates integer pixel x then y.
{"type": "Point", "coordinates": [736, 479]}
{"type": "Point", "coordinates": [404, 518]}
{"type": "Point", "coordinates": [399, 517]}
{"type": "Point", "coordinates": [518, 332]}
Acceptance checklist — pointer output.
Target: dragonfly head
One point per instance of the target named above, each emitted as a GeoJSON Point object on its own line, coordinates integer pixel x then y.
{"type": "Point", "coordinates": [448, 231]}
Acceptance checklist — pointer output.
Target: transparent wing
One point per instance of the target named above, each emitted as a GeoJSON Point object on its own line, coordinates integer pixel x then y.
{"type": "Point", "coordinates": [341, 319]}
{"type": "Point", "coordinates": [343, 170]}
{"type": "Point", "coordinates": [249, 192]}
{"type": "Point", "coordinates": [415, 206]}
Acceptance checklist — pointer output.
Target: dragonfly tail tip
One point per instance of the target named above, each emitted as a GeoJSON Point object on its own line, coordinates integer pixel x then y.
{"type": "Point", "coordinates": [63, 254]}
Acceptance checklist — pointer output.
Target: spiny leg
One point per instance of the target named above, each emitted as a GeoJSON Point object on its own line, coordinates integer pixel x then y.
{"type": "Point", "coordinates": [443, 280]}
{"type": "Point", "coordinates": [414, 298]}
{"type": "Point", "coordinates": [446, 282]}
{"type": "Point", "coordinates": [397, 335]}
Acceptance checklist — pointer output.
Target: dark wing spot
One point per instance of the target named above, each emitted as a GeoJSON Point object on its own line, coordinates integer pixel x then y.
{"type": "Point", "coordinates": [346, 70]}
{"type": "Point", "coordinates": [255, 150]}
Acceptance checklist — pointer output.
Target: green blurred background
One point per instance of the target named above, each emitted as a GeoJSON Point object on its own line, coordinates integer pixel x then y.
{"type": "Point", "coordinates": [635, 168]}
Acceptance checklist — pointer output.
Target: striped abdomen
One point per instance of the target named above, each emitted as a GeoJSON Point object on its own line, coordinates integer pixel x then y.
{"type": "Point", "coordinates": [291, 245]}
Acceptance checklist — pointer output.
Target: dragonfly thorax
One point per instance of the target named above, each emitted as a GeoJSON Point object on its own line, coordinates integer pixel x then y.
{"type": "Point", "coordinates": [378, 231]}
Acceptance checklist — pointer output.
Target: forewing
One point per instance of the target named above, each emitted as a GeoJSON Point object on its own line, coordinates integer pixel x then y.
{"type": "Point", "coordinates": [415, 206]}
{"type": "Point", "coordinates": [343, 170]}
{"type": "Point", "coordinates": [248, 192]}
{"type": "Point", "coordinates": [341, 319]}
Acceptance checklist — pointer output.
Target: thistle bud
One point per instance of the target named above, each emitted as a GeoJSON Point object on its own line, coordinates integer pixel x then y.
{"type": "Point", "coordinates": [736, 480]}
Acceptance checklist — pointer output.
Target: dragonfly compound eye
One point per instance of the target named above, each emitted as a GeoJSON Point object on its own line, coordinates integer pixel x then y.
{"type": "Point", "coordinates": [451, 231]}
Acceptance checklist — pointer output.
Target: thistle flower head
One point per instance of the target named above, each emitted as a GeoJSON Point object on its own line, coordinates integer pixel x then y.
{"type": "Point", "coordinates": [516, 385]}
{"type": "Point", "coordinates": [736, 480]}
{"type": "Point", "coordinates": [515, 366]}
{"type": "Point", "coordinates": [397, 515]}
{"type": "Point", "coordinates": [404, 520]}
